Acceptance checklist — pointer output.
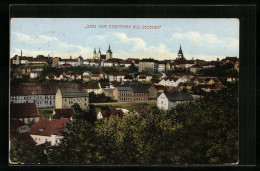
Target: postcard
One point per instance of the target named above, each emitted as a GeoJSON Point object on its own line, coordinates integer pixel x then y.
{"type": "Point", "coordinates": [124, 91]}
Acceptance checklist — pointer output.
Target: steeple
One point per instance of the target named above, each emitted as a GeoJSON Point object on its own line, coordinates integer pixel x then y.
{"type": "Point", "coordinates": [109, 47]}
{"type": "Point", "coordinates": [180, 51]}
{"type": "Point", "coordinates": [94, 50]}
{"type": "Point", "coordinates": [180, 54]}
{"type": "Point", "coordinates": [99, 50]}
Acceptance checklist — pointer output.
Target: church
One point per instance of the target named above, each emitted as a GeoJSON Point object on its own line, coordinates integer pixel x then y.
{"type": "Point", "coordinates": [180, 55]}
{"type": "Point", "coordinates": [106, 56]}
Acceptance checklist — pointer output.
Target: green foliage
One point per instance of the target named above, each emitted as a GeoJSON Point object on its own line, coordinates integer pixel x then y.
{"type": "Point", "coordinates": [210, 131]}
{"type": "Point", "coordinates": [20, 153]}
{"type": "Point", "coordinates": [89, 115]}
{"type": "Point", "coordinates": [219, 71]}
{"type": "Point", "coordinates": [99, 98]}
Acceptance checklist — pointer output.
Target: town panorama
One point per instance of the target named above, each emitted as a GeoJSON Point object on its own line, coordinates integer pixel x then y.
{"type": "Point", "coordinates": [107, 110]}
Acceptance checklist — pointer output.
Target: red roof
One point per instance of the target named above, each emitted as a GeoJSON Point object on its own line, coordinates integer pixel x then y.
{"type": "Point", "coordinates": [24, 138]}
{"type": "Point", "coordinates": [172, 89]}
{"type": "Point", "coordinates": [141, 110]}
{"type": "Point", "coordinates": [90, 86]}
{"type": "Point", "coordinates": [46, 127]}
{"type": "Point", "coordinates": [104, 84]}
{"type": "Point", "coordinates": [159, 87]}
{"type": "Point", "coordinates": [65, 113]}
{"type": "Point", "coordinates": [110, 113]}
{"type": "Point", "coordinates": [15, 124]}
{"type": "Point", "coordinates": [23, 110]}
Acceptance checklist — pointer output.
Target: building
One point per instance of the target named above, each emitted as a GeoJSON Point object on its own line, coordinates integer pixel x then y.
{"type": "Point", "coordinates": [148, 65]}
{"type": "Point", "coordinates": [64, 113]}
{"type": "Point", "coordinates": [102, 56]}
{"type": "Point", "coordinates": [66, 97]}
{"type": "Point", "coordinates": [131, 93]}
{"type": "Point", "coordinates": [236, 65]}
{"type": "Point", "coordinates": [25, 112]}
{"type": "Point", "coordinates": [195, 68]}
{"type": "Point", "coordinates": [161, 66]}
{"type": "Point", "coordinates": [109, 113]}
{"type": "Point", "coordinates": [118, 76]}
{"type": "Point", "coordinates": [167, 101]}
{"type": "Point", "coordinates": [42, 95]}
{"type": "Point", "coordinates": [20, 132]}
{"type": "Point", "coordinates": [48, 131]}
{"type": "Point", "coordinates": [91, 87]}
{"type": "Point", "coordinates": [180, 55]}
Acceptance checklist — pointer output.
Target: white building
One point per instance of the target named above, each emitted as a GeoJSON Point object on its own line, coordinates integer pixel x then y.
{"type": "Point", "coordinates": [167, 101]}
{"type": "Point", "coordinates": [42, 95]}
{"type": "Point", "coordinates": [48, 131]}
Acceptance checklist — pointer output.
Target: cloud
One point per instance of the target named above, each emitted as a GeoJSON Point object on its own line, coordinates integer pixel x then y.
{"type": "Point", "coordinates": [200, 44]}
{"type": "Point", "coordinates": [43, 44]}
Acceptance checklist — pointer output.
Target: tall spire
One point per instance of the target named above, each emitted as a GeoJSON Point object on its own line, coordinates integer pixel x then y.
{"type": "Point", "coordinates": [99, 50]}
{"type": "Point", "coordinates": [94, 50]}
{"type": "Point", "coordinates": [109, 47]}
{"type": "Point", "coordinates": [180, 46]}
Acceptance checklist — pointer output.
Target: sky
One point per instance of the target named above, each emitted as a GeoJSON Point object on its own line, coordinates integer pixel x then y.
{"type": "Point", "coordinates": [206, 39]}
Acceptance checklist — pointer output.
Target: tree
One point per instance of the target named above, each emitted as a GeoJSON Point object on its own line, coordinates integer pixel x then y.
{"type": "Point", "coordinates": [20, 153]}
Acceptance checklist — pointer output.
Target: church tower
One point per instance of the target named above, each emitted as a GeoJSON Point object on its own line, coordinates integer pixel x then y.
{"type": "Point", "coordinates": [99, 54]}
{"type": "Point", "coordinates": [180, 55]}
{"type": "Point", "coordinates": [109, 53]}
{"type": "Point", "coordinates": [94, 54]}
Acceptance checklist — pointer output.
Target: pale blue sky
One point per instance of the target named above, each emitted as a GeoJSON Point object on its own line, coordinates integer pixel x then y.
{"type": "Point", "coordinates": [200, 38]}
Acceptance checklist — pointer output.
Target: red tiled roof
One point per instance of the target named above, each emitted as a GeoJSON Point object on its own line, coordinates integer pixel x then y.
{"type": "Point", "coordinates": [23, 110]}
{"type": "Point", "coordinates": [90, 86]}
{"type": "Point", "coordinates": [141, 110]}
{"type": "Point", "coordinates": [65, 113]}
{"type": "Point", "coordinates": [159, 87]}
{"type": "Point", "coordinates": [15, 124]}
{"type": "Point", "coordinates": [46, 127]}
{"type": "Point", "coordinates": [24, 138]}
{"type": "Point", "coordinates": [172, 89]}
{"type": "Point", "coordinates": [110, 113]}
{"type": "Point", "coordinates": [104, 84]}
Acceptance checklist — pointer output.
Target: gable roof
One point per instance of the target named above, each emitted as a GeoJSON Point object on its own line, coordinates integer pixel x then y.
{"type": "Point", "coordinates": [141, 110]}
{"type": "Point", "coordinates": [46, 127]}
{"type": "Point", "coordinates": [110, 113]}
{"type": "Point", "coordinates": [73, 92]}
{"type": "Point", "coordinates": [178, 96]}
{"type": "Point", "coordinates": [65, 113]}
{"type": "Point", "coordinates": [23, 110]}
{"type": "Point", "coordinates": [24, 138]}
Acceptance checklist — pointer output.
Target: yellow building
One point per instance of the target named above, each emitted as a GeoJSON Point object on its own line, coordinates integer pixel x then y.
{"type": "Point", "coordinates": [148, 64]}
{"type": "Point", "coordinates": [67, 97]}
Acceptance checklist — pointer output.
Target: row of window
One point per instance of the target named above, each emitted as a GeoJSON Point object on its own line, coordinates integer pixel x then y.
{"type": "Point", "coordinates": [31, 97]}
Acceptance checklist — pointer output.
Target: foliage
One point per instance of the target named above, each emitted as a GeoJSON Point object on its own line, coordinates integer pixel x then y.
{"type": "Point", "coordinates": [20, 153]}
{"type": "Point", "coordinates": [219, 71]}
{"type": "Point", "coordinates": [99, 98]}
{"type": "Point", "coordinates": [210, 131]}
{"type": "Point", "coordinates": [87, 115]}
{"type": "Point", "coordinates": [204, 131]}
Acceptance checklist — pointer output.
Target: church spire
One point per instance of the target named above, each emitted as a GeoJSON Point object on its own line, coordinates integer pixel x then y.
{"type": "Point", "coordinates": [99, 50]}
{"type": "Point", "coordinates": [109, 47]}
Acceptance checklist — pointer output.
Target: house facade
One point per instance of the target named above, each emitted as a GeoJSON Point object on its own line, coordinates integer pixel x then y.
{"type": "Point", "coordinates": [168, 100]}
{"type": "Point", "coordinates": [48, 131]}
{"type": "Point", "coordinates": [131, 93]}
{"type": "Point", "coordinates": [67, 97]}
{"type": "Point", "coordinates": [25, 112]}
